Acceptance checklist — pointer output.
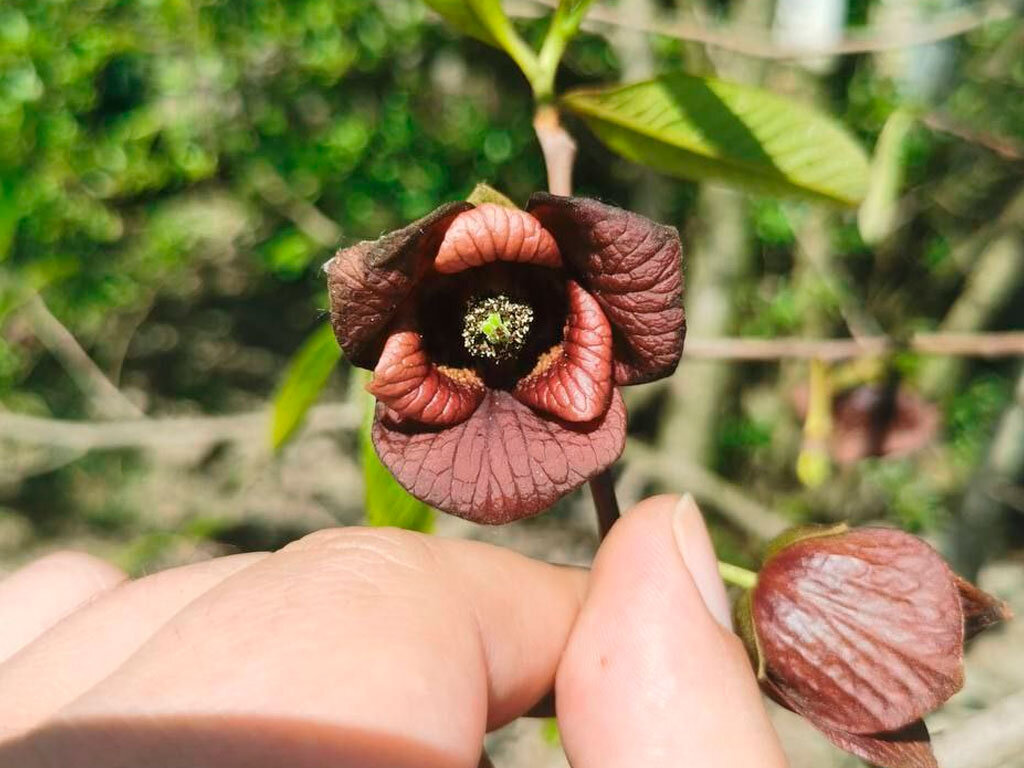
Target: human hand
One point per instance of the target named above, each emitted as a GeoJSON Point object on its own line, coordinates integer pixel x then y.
{"type": "Point", "coordinates": [379, 648]}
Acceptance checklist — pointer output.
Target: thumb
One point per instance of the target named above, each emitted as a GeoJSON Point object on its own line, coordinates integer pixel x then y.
{"type": "Point", "coordinates": [652, 675]}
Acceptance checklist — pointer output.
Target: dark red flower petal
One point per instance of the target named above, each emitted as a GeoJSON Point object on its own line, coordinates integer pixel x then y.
{"type": "Point", "coordinates": [861, 631]}
{"type": "Point", "coordinates": [369, 281]}
{"type": "Point", "coordinates": [574, 382]}
{"type": "Point", "coordinates": [413, 387]}
{"type": "Point", "coordinates": [981, 610]}
{"type": "Point", "coordinates": [492, 232]}
{"type": "Point", "coordinates": [909, 747]}
{"type": "Point", "coordinates": [503, 463]}
{"type": "Point", "coordinates": [632, 267]}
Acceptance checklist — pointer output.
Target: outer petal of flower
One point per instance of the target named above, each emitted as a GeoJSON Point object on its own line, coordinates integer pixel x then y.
{"type": "Point", "coordinates": [981, 610]}
{"type": "Point", "coordinates": [577, 384]}
{"type": "Point", "coordinates": [909, 747]}
{"type": "Point", "coordinates": [632, 266]}
{"type": "Point", "coordinates": [369, 281]}
{"type": "Point", "coordinates": [503, 463]}
{"type": "Point", "coordinates": [492, 232]}
{"type": "Point", "coordinates": [862, 631]}
{"type": "Point", "coordinates": [408, 382]}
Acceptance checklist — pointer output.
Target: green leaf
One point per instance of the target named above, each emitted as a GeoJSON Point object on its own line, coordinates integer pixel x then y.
{"type": "Point", "coordinates": [460, 14]}
{"type": "Point", "coordinates": [876, 218]}
{"type": "Point", "coordinates": [702, 128]}
{"type": "Point", "coordinates": [486, 21]}
{"type": "Point", "coordinates": [307, 374]}
{"type": "Point", "coordinates": [388, 503]}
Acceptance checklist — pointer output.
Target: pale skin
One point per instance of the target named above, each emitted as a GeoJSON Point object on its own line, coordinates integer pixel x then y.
{"type": "Point", "coordinates": [373, 648]}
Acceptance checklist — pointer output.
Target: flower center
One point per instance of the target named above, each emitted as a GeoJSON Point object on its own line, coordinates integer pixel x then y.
{"type": "Point", "coordinates": [496, 327]}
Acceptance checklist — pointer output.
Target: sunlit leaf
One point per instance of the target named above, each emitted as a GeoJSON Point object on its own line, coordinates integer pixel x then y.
{"type": "Point", "coordinates": [388, 503]}
{"type": "Point", "coordinates": [306, 376]}
{"type": "Point", "coordinates": [707, 129]}
{"type": "Point", "coordinates": [460, 14]}
{"type": "Point", "coordinates": [877, 215]}
{"type": "Point", "coordinates": [486, 21]}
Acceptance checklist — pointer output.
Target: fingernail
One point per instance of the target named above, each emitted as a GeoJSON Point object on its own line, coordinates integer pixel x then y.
{"type": "Point", "coordinates": [694, 545]}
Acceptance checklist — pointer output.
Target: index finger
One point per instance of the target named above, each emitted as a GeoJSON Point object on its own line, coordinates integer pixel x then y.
{"type": "Point", "coordinates": [353, 647]}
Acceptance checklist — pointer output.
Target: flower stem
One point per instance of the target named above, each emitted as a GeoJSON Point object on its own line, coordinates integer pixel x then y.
{"type": "Point", "coordinates": [602, 488]}
{"type": "Point", "coordinates": [739, 577]}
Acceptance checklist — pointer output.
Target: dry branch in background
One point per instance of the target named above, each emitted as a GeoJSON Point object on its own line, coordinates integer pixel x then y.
{"type": "Point", "coordinates": [746, 42]}
{"type": "Point", "coordinates": [996, 344]}
{"type": "Point", "coordinates": [168, 432]}
{"type": "Point", "coordinates": [309, 219]}
{"type": "Point", "coordinates": [981, 526]}
{"type": "Point", "coordinates": [104, 397]}
{"type": "Point", "coordinates": [742, 511]}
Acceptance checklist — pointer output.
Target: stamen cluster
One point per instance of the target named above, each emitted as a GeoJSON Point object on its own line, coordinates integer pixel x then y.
{"type": "Point", "coordinates": [496, 327]}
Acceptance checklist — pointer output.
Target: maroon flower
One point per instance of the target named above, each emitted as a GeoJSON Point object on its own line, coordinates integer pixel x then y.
{"type": "Point", "coordinates": [862, 632]}
{"type": "Point", "coordinates": [497, 338]}
{"type": "Point", "coordinates": [867, 420]}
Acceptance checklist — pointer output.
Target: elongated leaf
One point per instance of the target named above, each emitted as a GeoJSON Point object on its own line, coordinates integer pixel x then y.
{"type": "Point", "coordinates": [702, 128]}
{"type": "Point", "coordinates": [876, 218]}
{"type": "Point", "coordinates": [460, 14]}
{"type": "Point", "coordinates": [306, 376]}
{"type": "Point", "coordinates": [388, 503]}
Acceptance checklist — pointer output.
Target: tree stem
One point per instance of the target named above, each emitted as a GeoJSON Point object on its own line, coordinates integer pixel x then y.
{"type": "Point", "coordinates": [739, 577]}
{"type": "Point", "coordinates": [602, 488]}
{"type": "Point", "coordinates": [558, 148]}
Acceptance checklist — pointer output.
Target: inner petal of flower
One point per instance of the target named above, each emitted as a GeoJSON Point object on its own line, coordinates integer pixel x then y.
{"type": "Point", "coordinates": [413, 387]}
{"type": "Point", "coordinates": [496, 328]}
{"type": "Point", "coordinates": [490, 233]}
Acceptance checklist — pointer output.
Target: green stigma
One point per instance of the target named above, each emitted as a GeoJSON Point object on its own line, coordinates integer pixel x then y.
{"type": "Point", "coordinates": [496, 327]}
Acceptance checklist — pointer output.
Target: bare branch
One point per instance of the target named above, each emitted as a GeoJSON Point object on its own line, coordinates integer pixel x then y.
{"type": "Point", "coordinates": [750, 43]}
{"type": "Point", "coordinates": [558, 147]}
{"type": "Point", "coordinates": [744, 512]}
{"type": "Point", "coordinates": [310, 220]}
{"type": "Point", "coordinates": [169, 432]}
{"type": "Point", "coordinates": [1003, 146]}
{"type": "Point", "coordinates": [1008, 344]}
{"type": "Point", "coordinates": [106, 398]}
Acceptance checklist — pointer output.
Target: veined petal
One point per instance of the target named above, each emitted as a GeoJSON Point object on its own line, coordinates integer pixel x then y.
{"type": "Point", "coordinates": [576, 385]}
{"type": "Point", "coordinates": [503, 463]}
{"type": "Point", "coordinates": [408, 382]}
{"type": "Point", "coordinates": [492, 232]}
{"type": "Point", "coordinates": [369, 282]}
{"type": "Point", "coordinates": [632, 267]}
{"type": "Point", "coordinates": [908, 747]}
{"type": "Point", "coordinates": [861, 631]}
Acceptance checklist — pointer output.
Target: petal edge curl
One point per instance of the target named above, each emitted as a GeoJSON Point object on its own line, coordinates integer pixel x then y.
{"type": "Point", "coordinates": [369, 281]}
{"type": "Point", "coordinates": [492, 232]}
{"type": "Point", "coordinates": [413, 387]}
{"type": "Point", "coordinates": [577, 384]}
{"type": "Point", "coordinates": [632, 267]}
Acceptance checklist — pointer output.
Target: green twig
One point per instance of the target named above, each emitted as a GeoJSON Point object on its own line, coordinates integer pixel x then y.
{"type": "Point", "coordinates": [739, 577]}
{"type": "Point", "coordinates": [565, 23]}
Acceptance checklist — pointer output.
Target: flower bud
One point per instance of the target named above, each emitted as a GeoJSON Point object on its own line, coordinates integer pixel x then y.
{"type": "Point", "coordinates": [862, 632]}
